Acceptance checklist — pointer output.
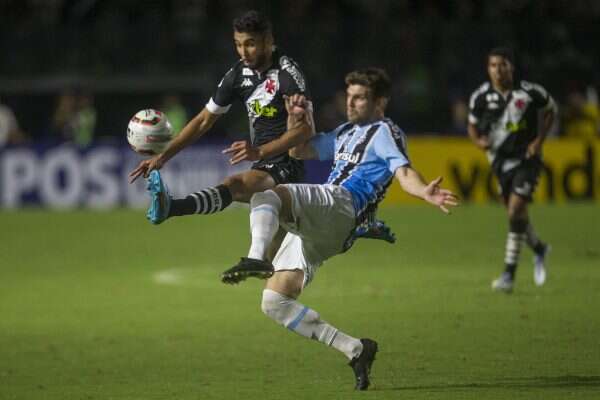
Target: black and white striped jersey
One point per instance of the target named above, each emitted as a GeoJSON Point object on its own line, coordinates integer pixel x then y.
{"type": "Point", "coordinates": [510, 122]}
{"type": "Point", "coordinates": [262, 95]}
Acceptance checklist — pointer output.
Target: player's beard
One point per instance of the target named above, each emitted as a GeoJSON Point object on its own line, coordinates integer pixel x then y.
{"type": "Point", "coordinates": [260, 63]}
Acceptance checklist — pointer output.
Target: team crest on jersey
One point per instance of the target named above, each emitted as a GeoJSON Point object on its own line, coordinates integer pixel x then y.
{"type": "Point", "coordinates": [259, 102]}
{"type": "Point", "coordinates": [247, 72]}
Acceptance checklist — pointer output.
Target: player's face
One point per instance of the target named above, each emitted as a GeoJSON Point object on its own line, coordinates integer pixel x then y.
{"type": "Point", "coordinates": [254, 49]}
{"type": "Point", "coordinates": [360, 106]}
{"type": "Point", "coordinates": [500, 71]}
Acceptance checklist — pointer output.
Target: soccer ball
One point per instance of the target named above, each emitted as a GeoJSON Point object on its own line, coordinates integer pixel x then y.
{"type": "Point", "coordinates": [149, 132]}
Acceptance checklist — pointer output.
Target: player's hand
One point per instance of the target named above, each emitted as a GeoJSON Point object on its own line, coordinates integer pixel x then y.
{"type": "Point", "coordinates": [295, 105]}
{"type": "Point", "coordinates": [439, 197]}
{"type": "Point", "coordinates": [144, 168]}
{"type": "Point", "coordinates": [534, 149]}
{"type": "Point", "coordinates": [242, 151]}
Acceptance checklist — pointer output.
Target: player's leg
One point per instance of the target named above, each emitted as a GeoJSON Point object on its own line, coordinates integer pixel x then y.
{"type": "Point", "coordinates": [541, 250]}
{"type": "Point", "coordinates": [239, 187]}
{"type": "Point", "coordinates": [279, 302]}
{"type": "Point", "coordinates": [525, 183]}
{"type": "Point", "coordinates": [266, 210]}
{"type": "Point", "coordinates": [518, 221]}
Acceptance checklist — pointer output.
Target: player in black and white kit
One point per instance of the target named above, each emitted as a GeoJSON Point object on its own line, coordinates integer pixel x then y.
{"type": "Point", "coordinates": [260, 80]}
{"type": "Point", "coordinates": [509, 120]}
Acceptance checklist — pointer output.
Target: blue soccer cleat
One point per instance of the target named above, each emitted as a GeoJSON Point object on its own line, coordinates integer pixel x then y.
{"type": "Point", "coordinates": [160, 202]}
{"type": "Point", "coordinates": [375, 229]}
{"type": "Point", "coordinates": [370, 229]}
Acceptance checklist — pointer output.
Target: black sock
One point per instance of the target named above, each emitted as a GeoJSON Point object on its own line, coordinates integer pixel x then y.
{"type": "Point", "coordinates": [206, 201]}
{"type": "Point", "coordinates": [511, 269]}
{"type": "Point", "coordinates": [533, 241]}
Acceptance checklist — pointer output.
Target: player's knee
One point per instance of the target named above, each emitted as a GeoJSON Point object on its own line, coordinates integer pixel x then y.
{"type": "Point", "coordinates": [268, 197]}
{"type": "Point", "coordinates": [273, 306]}
{"type": "Point", "coordinates": [235, 186]}
{"type": "Point", "coordinates": [286, 311]}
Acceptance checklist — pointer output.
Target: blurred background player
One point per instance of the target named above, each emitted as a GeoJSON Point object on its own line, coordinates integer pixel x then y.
{"type": "Point", "coordinates": [369, 151]}
{"type": "Point", "coordinates": [509, 120]}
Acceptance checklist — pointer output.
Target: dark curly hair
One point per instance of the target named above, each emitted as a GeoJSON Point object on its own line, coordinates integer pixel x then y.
{"type": "Point", "coordinates": [503, 51]}
{"type": "Point", "coordinates": [376, 79]}
{"type": "Point", "coordinates": [252, 22]}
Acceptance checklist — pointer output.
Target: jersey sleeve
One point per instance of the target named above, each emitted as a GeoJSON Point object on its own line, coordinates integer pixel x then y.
{"type": "Point", "coordinates": [391, 147]}
{"type": "Point", "coordinates": [541, 98]}
{"type": "Point", "coordinates": [221, 101]}
{"type": "Point", "coordinates": [476, 107]}
{"type": "Point", "coordinates": [291, 79]}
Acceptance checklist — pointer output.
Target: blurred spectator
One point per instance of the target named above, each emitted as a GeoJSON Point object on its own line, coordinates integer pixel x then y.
{"type": "Point", "coordinates": [85, 120]}
{"type": "Point", "coordinates": [10, 133]}
{"type": "Point", "coordinates": [63, 121]}
{"type": "Point", "coordinates": [75, 118]}
{"type": "Point", "coordinates": [175, 112]}
{"type": "Point", "coordinates": [460, 113]}
{"type": "Point", "coordinates": [582, 115]}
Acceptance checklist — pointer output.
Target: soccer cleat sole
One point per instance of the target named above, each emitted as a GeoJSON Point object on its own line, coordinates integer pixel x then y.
{"type": "Point", "coordinates": [232, 278]}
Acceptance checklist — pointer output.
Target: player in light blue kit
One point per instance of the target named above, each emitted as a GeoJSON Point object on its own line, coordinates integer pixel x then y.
{"type": "Point", "coordinates": [369, 151]}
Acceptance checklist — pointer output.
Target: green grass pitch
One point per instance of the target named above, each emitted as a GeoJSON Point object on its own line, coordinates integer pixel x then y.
{"type": "Point", "coordinates": [103, 305]}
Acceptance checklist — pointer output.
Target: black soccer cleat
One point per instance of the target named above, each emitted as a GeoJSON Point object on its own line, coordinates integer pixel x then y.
{"type": "Point", "coordinates": [361, 365]}
{"type": "Point", "coordinates": [247, 268]}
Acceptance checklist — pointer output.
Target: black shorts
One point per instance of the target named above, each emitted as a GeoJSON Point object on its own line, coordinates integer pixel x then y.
{"type": "Point", "coordinates": [288, 170]}
{"type": "Point", "coordinates": [521, 180]}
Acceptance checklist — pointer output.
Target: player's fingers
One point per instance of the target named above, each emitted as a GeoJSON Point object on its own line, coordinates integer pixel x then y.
{"type": "Point", "coordinates": [133, 177]}
{"type": "Point", "coordinates": [444, 209]}
{"type": "Point", "coordinates": [449, 194]}
{"type": "Point", "coordinates": [228, 150]}
{"type": "Point", "coordinates": [135, 172]}
{"type": "Point", "coordinates": [237, 159]}
{"type": "Point", "coordinates": [235, 146]}
{"type": "Point", "coordinates": [451, 202]}
{"type": "Point", "coordinates": [438, 180]}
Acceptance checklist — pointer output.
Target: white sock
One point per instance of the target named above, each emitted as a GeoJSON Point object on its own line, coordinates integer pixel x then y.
{"type": "Point", "coordinates": [307, 322]}
{"type": "Point", "coordinates": [513, 247]}
{"type": "Point", "coordinates": [264, 222]}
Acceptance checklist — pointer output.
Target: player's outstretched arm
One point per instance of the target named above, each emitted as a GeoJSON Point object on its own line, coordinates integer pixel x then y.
{"type": "Point", "coordinates": [412, 183]}
{"type": "Point", "coordinates": [197, 127]}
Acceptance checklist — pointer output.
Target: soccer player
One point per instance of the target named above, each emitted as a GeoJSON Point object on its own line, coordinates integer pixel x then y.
{"type": "Point", "coordinates": [369, 151]}
{"type": "Point", "coordinates": [261, 79]}
{"type": "Point", "coordinates": [509, 120]}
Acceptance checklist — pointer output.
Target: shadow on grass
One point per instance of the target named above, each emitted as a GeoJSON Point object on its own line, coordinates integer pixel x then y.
{"type": "Point", "coordinates": [537, 382]}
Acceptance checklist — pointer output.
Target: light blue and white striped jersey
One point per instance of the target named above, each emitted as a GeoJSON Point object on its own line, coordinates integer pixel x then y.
{"type": "Point", "coordinates": [365, 159]}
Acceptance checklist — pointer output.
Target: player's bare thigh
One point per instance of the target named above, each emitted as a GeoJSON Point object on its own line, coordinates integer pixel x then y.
{"type": "Point", "coordinates": [243, 185]}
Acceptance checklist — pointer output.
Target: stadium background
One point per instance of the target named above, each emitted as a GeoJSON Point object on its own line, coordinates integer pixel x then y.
{"type": "Point", "coordinates": [99, 304]}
